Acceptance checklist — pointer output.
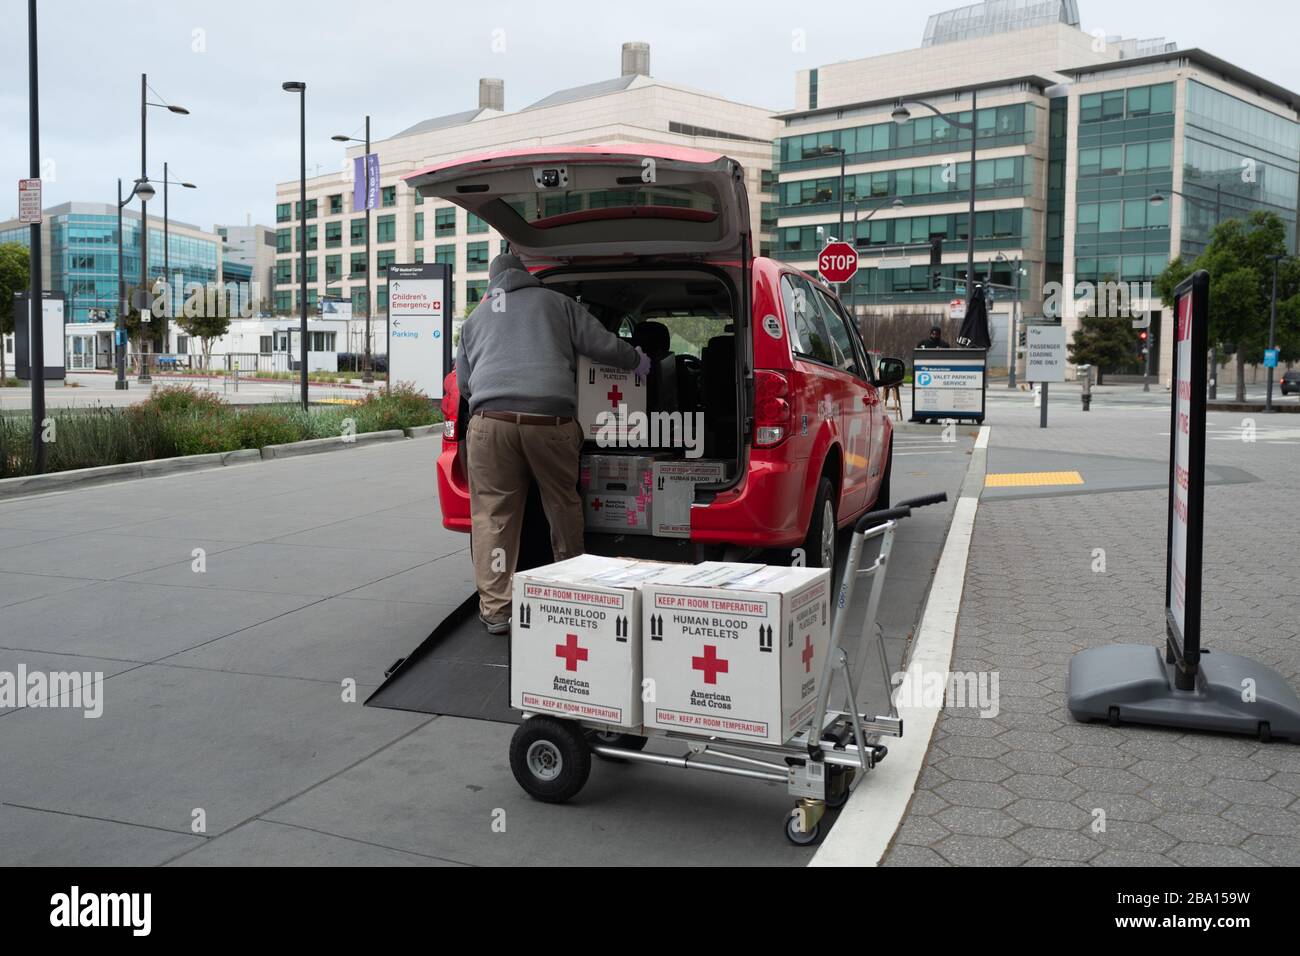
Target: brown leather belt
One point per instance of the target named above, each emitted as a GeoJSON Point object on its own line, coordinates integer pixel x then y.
{"type": "Point", "coordinates": [519, 418]}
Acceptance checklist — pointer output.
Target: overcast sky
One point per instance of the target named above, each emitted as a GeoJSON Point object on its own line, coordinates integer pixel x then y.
{"type": "Point", "coordinates": [405, 60]}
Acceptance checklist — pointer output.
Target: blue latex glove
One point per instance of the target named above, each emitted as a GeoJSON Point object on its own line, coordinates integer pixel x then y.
{"type": "Point", "coordinates": [643, 366]}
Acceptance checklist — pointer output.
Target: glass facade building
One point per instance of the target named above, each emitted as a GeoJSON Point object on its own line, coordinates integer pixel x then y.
{"type": "Point", "coordinates": [82, 260]}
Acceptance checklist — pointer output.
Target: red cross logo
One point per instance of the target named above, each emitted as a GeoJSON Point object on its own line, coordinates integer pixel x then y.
{"type": "Point", "coordinates": [614, 396]}
{"type": "Point", "coordinates": [710, 663]}
{"type": "Point", "coordinates": [807, 654]}
{"type": "Point", "coordinates": [571, 652]}
{"type": "Point", "coordinates": [595, 504]}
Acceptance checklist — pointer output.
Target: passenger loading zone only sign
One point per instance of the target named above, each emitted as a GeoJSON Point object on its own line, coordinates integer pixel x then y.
{"type": "Point", "coordinates": [573, 654]}
{"type": "Point", "coordinates": [742, 667]}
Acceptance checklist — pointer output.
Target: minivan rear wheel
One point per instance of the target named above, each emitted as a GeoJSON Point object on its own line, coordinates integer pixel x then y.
{"type": "Point", "coordinates": [819, 545]}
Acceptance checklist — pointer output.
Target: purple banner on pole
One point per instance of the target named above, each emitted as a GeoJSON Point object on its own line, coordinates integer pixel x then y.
{"type": "Point", "coordinates": [359, 198]}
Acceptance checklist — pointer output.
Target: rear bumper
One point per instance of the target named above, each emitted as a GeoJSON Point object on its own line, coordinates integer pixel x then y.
{"type": "Point", "coordinates": [768, 509]}
{"type": "Point", "coordinates": [453, 489]}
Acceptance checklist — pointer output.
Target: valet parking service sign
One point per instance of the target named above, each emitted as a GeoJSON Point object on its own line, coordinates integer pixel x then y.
{"type": "Point", "coordinates": [419, 325]}
{"type": "Point", "coordinates": [948, 383]}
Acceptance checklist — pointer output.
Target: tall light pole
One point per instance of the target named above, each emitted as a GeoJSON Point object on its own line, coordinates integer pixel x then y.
{"type": "Point", "coordinates": [900, 116]}
{"type": "Point", "coordinates": [853, 285]}
{"type": "Point", "coordinates": [1272, 331]}
{"type": "Point", "coordinates": [167, 248]}
{"type": "Point", "coordinates": [367, 373]}
{"type": "Point", "coordinates": [144, 210]}
{"type": "Point", "coordinates": [297, 86]}
{"type": "Point", "coordinates": [1157, 199]}
{"type": "Point", "coordinates": [144, 189]}
{"type": "Point", "coordinates": [35, 305]}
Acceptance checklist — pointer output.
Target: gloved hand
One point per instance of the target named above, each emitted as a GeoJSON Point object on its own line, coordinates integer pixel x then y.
{"type": "Point", "coordinates": [643, 366]}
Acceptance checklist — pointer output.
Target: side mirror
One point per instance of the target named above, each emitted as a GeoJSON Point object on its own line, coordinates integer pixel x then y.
{"type": "Point", "coordinates": [890, 372]}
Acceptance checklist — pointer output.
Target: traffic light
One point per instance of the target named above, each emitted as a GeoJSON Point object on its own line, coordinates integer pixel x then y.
{"type": "Point", "coordinates": [936, 279]}
{"type": "Point", "coordinates": [1024, 338]}
{"type": "Point", "coordinates": [1142, 343]}
{"type": "Point", "coordinates": [936, 251]}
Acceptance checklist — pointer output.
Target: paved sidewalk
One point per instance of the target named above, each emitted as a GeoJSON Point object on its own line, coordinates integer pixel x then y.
{"type": "Point", "coordinates": [1026, 787]}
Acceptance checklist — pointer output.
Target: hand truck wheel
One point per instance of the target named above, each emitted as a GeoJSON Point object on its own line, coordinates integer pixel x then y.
{"type": "Point", "coordinates": [838, 787]}
{"type": "Point", "coordinates": [614, 738]}
{"type": "Point", "coordinates": [550, 758]}
{"type": "Point", "coordinates": [801, 839]}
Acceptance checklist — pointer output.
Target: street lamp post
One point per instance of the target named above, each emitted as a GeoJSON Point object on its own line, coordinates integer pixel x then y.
{"type": "Point", "coordinates": [900, 116]}
{"type": "Point", "coordinates": [167, 259]}
{"type": "Point", "coordinates": [853, 284]}
{"type": "Point", "coordinates": [1158, 199]}
{"type": "Point", "coordinates": [1272, 332]}
{"type": "Point", "coordinates": [35, 304]}
{"type": "Point", "coordinates": [297, 86]}
{"type": "Point", "coordinates": [144, 206]}
{"type": "Point", "coordinates": [144, 189]}
{"type": "Point", "coordinates": [367, 371]}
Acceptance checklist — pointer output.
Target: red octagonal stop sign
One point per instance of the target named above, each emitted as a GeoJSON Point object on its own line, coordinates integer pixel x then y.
{"type": "Point", "coordinates": [837, 262]}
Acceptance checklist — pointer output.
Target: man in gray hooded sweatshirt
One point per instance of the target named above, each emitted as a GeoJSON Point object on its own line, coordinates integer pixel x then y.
{"type": "Point", "coordinates": [516, 367]}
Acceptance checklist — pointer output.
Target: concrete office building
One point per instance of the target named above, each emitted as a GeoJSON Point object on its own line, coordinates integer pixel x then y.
{"type": "Point", "coordinates": [631, 108]}
{"type": "Point", "coordinates": [247, 257]}
{"type": "Point", "coordinates": [1076, 132]}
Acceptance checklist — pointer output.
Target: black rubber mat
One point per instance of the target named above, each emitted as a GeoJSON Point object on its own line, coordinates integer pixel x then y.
{"type": "Point", "coordinates": [460, 670]}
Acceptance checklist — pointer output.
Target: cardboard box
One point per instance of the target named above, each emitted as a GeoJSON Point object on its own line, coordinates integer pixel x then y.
{"type": "Point", "coordinates": [673, 484]}
{"type": "Point", "coordinates": [575, 643]}
{"type": "Point", "coordinates": [603, 388]}
{"type": "Point", "coordinates": [735, 651]}
{"type": "Point", "coordinates": [617, 494]}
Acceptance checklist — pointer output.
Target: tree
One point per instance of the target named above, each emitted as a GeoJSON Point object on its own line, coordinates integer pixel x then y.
{"type": "Point", "coordinates": [1241, 285]}
{"type": "Point", "coordinates": [15, 277]}
{"type": "Point", "coordinates": [1103, 342]}
{"type": "Point", "coordinates": [206, 316]}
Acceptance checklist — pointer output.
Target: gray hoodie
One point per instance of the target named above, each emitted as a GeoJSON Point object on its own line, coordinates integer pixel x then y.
{"type": "Point", "coordinates": [519, 347]}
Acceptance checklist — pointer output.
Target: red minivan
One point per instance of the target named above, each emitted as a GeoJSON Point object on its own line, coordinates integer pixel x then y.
{"type": "Point", "coordinates": [657, 238]}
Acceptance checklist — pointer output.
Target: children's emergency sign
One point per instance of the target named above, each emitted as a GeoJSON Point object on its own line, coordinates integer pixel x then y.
{"type": "Point", "coordinates": [419, 325]}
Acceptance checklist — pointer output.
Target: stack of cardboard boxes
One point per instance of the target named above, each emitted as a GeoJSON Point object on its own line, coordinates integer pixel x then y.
{"type": "Point", "coordinates": [732, 651]}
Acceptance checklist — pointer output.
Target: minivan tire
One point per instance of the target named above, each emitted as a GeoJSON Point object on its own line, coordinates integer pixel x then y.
{"type": "Point", "coordinates": [820, 538]}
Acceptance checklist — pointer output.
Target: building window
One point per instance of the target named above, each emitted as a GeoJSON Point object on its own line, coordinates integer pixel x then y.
{"type": "Point", "coordinates": [333, 234]}
{"type": "Point", "coordinates": [284, 240]}
{"type": "Point", "coordinates": [336, 204]}
{"type": "Point", "coordinates": [381, 299]}
{"type": "Point", "coordinates": [445, 254]}
{"type": "Point", "coordinates": [444, 222]}
{"type": "Point", "coordinates": [283, 301]}
{"type": "Point", "coordinates": [358, 232]}
{"type": "Point", "coordinates": [386, 229]}
{"type": "Point", "coordinates": [382, 261]}
{"type": "Point", "coordinates": [358, 265]}
{"type": "Point", "coordinates": [264, 344]}
{"type": "Point", "coordinates": [388, 196]}
{"type": "Point", "coordinates": [311, 238]}
{"type": "Point", "coordinates": [283, 271]}
{"type": "Point", "coordinates": [360, 304]}
{"type": "Point", "coordinates": [419, 255]}
{"type": "Point", "coordinates": [419, 226]}
{"type": "Point", "coordinates": [475, 289]}
{"type": "Point", "coordinates": [311, 270]}
{"type": "Point", "coordinates": [476, 257]}
{"type": "Point", "coordinates": [476, 224]}
{"type": "Point", "coordinates": [419, 200]}
{"type": "Point", "coordinates": [311, 209]}
{"type": "Point", "coordinates": [283, 211]}
{"type": "Point", "coordinates": [333, 268]}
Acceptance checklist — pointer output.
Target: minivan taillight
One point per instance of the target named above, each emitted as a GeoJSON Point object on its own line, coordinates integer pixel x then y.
{"type": "Point", "coordinates": [450, 407]}
{"type": "Point", "coordinates": [771, 408]}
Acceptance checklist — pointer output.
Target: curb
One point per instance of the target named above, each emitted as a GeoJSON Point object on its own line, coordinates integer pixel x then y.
{"type": "Point", "coordinates": [867, 824]}
{"type": "Point", "coordinates": [157, 467]}
{"type": "Point", "coordinates": [314, 446]}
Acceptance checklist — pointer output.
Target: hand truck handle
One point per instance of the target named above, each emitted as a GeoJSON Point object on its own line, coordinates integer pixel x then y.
{"type": "Point", "coordinates": [924, 500]}
{"type": "Point", "coordinates": [878, 517]}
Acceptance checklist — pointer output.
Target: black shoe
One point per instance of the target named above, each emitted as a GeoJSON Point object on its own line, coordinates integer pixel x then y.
{"type": "Point", "coordinates": [496, 627]}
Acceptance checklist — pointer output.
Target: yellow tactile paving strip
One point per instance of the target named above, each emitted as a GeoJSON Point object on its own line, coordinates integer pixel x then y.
{"type": "Point", "coordinates": [1033, 479]}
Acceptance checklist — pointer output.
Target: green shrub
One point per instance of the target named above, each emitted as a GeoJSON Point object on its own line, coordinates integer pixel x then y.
{"type": "Point", "coordinates": [174, 399]}
{"type": "Point", "coordinates": [258, 427]}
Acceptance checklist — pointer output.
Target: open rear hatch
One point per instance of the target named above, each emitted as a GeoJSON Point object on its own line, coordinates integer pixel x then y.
{"type": "Point", "coordinates": [602, 203]}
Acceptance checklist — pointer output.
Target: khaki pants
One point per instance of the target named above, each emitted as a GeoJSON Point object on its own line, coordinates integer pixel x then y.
{"type": "Point", "coordinates": [504, 458]}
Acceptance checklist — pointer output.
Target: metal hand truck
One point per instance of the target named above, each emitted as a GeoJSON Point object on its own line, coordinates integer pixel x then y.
{"type": "Point", "coordinates": [820, 765]}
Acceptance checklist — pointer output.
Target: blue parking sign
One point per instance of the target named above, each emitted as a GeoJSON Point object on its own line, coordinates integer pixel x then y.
{"type": "Point", "coordinates": [1270, 358]}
